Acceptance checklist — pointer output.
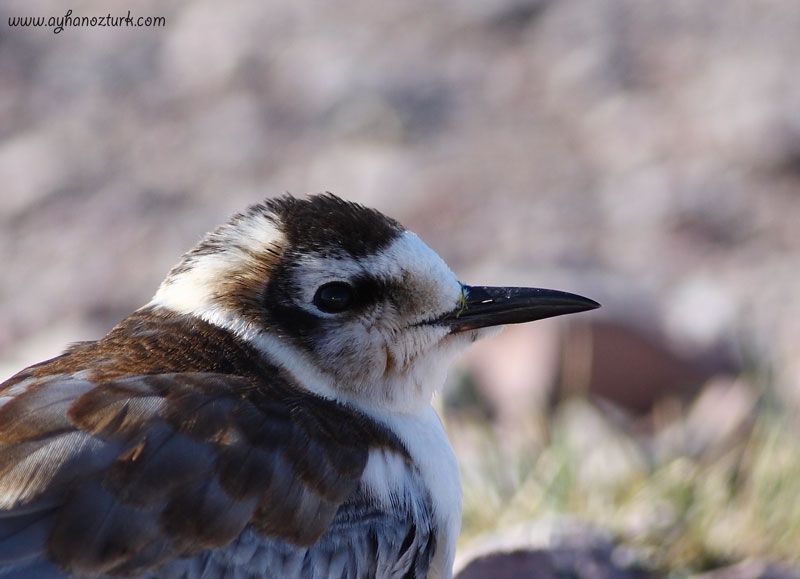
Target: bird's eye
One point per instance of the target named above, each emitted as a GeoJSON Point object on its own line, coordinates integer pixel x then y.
{"type": "Point", "coordinates": [334, 297]}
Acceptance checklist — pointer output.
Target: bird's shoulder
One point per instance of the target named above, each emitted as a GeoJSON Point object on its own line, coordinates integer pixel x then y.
{"type": "Point", "coordinates": [166, 438]}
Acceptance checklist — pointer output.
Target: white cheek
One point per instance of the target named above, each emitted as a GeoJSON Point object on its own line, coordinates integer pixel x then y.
{"type": "Point", "coordinates": [355, 353]}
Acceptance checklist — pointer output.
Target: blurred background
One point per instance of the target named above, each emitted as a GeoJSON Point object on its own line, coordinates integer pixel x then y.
{"type": "Point", "coordinates": [646, 155]}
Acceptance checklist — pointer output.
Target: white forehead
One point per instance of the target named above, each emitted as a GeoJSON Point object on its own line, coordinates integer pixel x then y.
{"type": "Point", "coordinates": [406, 259]}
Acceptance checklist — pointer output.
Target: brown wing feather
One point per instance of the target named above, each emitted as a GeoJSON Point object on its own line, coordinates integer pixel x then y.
{"type": "Point", "coordinates": [134, 472]}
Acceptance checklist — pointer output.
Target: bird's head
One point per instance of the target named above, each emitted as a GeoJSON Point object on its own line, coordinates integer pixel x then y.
{"type": "Point", "coordinates": [347, 300]}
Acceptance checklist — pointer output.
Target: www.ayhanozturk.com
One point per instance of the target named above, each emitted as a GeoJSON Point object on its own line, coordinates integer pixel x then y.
{"type": "Point", "coordinates": [58, 23]}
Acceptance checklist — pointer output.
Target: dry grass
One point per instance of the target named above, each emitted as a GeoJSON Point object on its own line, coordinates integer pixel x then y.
{"type": "Point", "coordinates": [686, 500]}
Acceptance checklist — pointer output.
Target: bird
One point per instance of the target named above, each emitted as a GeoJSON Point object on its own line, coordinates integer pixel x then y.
{"type": "Point", "coordinates": [267, 414]}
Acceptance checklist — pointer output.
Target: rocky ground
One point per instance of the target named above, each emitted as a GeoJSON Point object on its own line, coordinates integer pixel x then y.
{"type": "Point", "coordinates": [644, 154]}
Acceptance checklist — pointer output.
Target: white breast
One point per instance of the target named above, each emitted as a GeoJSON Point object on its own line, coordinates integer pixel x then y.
{"type": "Point", "coordinates": [424, 438]}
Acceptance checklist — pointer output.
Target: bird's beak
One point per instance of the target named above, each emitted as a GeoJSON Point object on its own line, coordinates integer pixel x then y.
{"type": "Point", "coordinates": [483, 306]}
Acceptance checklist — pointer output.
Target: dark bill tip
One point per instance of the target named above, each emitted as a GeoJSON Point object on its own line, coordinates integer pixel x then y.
{"type": "Point", "coordinates": [494, 306]}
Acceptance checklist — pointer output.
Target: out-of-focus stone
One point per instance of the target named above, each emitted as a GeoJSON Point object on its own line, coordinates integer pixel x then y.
{"type": "Point", "coordinates": [630, 368]}
{"type": "Point", "coordinates": [752, 569]}
{"type": "Point", "coordinates": [547, 549]}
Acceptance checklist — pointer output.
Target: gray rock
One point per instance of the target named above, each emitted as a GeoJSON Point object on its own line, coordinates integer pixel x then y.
{"type": "Point", "coordinates": [559, 548]}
